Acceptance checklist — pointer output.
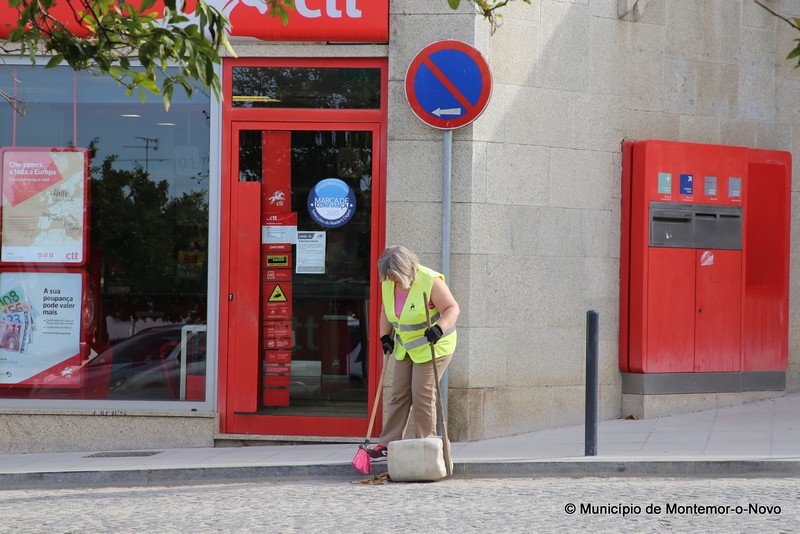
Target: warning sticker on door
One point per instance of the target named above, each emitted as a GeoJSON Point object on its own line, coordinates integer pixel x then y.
{"type": "Point", "coordinates": [277, 295]}
{"type": "Point", "coordinates": [706, 258]}
{"type": "Point", "coordinates": [277, 301]}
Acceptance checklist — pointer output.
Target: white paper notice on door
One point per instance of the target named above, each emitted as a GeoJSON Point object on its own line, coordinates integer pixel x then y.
{"type": "Point", "coordinates": [310, 253]}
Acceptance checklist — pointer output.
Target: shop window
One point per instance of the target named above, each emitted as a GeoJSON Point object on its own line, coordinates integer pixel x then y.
{"type": "Point", "coordinates": [142, 289]}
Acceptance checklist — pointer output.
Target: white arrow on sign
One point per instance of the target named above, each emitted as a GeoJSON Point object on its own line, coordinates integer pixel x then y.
{"type": "Point", "coordinates": [451, 111]}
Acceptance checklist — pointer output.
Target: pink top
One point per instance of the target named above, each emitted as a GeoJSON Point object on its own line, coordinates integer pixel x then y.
{"type": "Point", "coordinates": [400, 297]}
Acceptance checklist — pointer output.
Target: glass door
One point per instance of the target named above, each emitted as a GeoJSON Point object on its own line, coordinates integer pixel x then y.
{"type": "Point", "coordinates": [302, 295]}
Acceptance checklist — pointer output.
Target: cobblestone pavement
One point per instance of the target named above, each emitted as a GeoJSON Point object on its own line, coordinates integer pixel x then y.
{"type": "Point", "coordinates": [454, 505]}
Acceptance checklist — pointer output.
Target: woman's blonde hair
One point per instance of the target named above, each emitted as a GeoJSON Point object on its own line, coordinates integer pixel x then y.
{"type": "Point", "coordinates": [400, 262]}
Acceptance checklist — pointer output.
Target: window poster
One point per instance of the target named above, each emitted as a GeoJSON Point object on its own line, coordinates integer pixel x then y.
{"type": "Point", "coordinates": [310, 253]}
{"type": "Point", "coordinates": [44, 205]}
{"type": "Point", "coordinates": [40, 328]}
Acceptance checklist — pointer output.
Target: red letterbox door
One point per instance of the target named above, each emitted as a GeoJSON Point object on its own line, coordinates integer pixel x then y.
{"type": "Point", "coordinates": [718, 303]}
{"type": "Point", "coordinates": [670, 311]}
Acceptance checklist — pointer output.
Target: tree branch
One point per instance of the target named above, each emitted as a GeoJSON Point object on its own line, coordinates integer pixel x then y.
{"type": "Point", "coordinates": [786, 20]}
{"type": "Point", "coordinates": [489, 9]}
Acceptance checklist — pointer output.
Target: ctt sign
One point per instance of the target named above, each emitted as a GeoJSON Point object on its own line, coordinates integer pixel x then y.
{"type": "Point", "coordinates": [364, 21]}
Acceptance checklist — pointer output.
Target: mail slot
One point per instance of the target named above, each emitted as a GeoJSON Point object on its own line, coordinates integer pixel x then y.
{"type": "Point", "coordinates": [695, 226]}
{"type": "Point", "coordinates": [670, 226]}
{"type": "Point", "coordinates": [717, 227]}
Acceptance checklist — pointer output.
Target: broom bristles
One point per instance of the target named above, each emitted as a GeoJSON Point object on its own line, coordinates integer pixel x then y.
{"type": "Point", "coordinates": [361, 461]}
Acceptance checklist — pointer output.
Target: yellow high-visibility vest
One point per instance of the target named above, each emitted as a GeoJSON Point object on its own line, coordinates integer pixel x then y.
{"type": "Point", "coordinates": [409, 328]}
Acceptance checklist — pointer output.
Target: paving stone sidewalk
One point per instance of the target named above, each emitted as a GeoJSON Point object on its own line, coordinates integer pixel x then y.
{"type": "Point", "coordinates": [756, 439]}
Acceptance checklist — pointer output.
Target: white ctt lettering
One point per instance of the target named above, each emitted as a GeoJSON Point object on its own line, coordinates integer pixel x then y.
{"type": "Point", "coordinates": [352, 11]}
{"type": "Point", "coordinates": [331, 9]}
{"type": "Point", "coordinates": [302, 8]}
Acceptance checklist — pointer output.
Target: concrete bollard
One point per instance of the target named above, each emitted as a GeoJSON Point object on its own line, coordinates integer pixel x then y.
{"type": "Point", "coordinates": [592, 335]}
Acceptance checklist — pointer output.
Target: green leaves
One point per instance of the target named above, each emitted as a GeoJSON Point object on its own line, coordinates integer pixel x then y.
{"type": "Point", "coordinates": [489, 9]}
{"type": "Point", "coordinates": [280, 9]}
{"type": "Point", "coordinates": [114, 34]}
{"type": "Point", "coordinates": [55, 60]}
{"type": "Point", "coordinates": [795, 53]}
{"type": "Point", "coordinates": [794, 22]}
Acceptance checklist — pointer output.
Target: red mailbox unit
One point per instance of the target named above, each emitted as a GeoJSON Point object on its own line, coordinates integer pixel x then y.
{"type": "Point", "coordinates": [704, 265]}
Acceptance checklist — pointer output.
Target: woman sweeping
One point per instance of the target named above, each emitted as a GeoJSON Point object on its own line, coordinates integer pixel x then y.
{"type": "Point", "coordinates": [403, 311]}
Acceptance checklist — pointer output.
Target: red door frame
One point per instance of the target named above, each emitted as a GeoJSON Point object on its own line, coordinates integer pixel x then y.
{"type": "Point", "coordinates": [233, 121]}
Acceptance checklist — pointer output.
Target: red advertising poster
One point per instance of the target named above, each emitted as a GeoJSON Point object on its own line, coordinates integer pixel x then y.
{"type": "Point", "coordinates": [45, 206]}
{"type": "Point", "coordinates": [356, 21]}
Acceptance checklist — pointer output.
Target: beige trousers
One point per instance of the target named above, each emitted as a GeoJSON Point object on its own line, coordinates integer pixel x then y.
{"type": "Point", "coordinates": [413, 391]}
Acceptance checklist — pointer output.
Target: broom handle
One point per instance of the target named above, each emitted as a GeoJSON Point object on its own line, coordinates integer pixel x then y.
{"type": "Point", "coordinates": [377, 397]}
{"type": "Point", "coordinates": [445, 441]}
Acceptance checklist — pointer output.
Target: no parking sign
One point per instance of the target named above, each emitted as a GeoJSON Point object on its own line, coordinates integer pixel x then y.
{"type": "Point", "coordinates": [448, 84]}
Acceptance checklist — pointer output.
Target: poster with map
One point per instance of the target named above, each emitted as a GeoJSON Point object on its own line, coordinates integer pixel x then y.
{"type": "Point", "coordinates": [44, 217]}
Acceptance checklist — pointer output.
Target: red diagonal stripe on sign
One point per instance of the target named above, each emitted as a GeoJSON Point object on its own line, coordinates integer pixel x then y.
{"type": "Point", "coordinates": [447, 83]}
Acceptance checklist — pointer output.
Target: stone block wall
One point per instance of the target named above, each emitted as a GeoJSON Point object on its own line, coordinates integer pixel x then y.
{"type": "Point", "coordinates": [37, 431]}
{"type": "Point", "coordinates": [536, 179]}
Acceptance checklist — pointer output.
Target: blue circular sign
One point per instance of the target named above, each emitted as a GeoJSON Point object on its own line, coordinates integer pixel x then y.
{"type": "Point", "coordinates": [331, 203]}
{"type": "Point", "coordinates": [448, 84]}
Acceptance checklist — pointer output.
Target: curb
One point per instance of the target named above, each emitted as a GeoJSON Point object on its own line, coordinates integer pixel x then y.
{"type": "Point", "coordinates": [345, 473]}
{"type": "Point", "coordinates": [631, 468]}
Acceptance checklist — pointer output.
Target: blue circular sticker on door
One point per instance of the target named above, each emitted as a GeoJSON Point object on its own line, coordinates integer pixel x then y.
{"type": "Point", "coordinates": [331, 203]}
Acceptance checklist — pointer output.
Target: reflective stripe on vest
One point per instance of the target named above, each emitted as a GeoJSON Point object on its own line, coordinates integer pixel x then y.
{"type": "Point", "coordinates": [420, 341]}
{"type": "Point", "coordinates": [409, 327]}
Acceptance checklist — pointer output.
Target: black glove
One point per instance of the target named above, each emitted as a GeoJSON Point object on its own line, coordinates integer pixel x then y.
{"type": "Point", "coordinates": [433, 334]}
{"type": "Point", "coordinates": [388, 343]}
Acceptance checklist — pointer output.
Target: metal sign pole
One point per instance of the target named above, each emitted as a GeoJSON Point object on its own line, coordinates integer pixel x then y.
{"type": "Point", "coordinates": [447, 175]}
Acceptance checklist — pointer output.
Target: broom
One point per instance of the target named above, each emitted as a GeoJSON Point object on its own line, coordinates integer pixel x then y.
{"type": "Point", "coordinates": [448, 461]}
{"type": "Point", "coordinates": [361, 460]}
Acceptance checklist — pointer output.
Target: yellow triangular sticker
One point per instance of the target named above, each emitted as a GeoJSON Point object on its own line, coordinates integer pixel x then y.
{"type": "Point", "coordinates": [277, 295]}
